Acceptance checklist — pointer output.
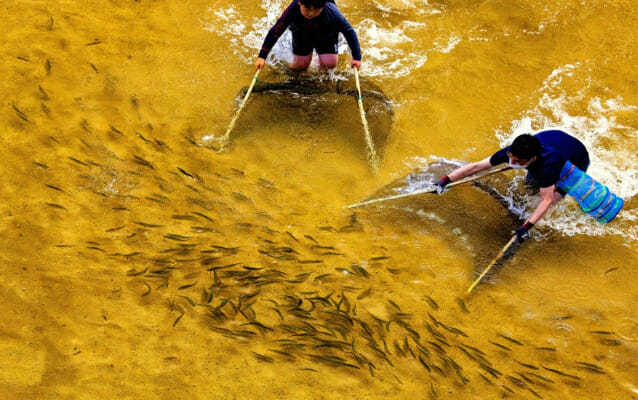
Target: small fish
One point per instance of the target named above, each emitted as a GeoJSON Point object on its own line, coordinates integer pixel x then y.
{"type": "Point", "coordinates": [578, 378]}
{"type": "Point", "coordinates": [562, 317]}
{"type": "Point", "coordinates": [364, 294]}
{"type": "Point", "coordinates": [185, 173]}
{"type": "Point", "coordinates": [320, 277]}
{"type": "Point", "coordinates": [148, 289]}
{"type": "Point", "coordinates": [360, 271]}
{"type": "Point", "coordinates": [433, 392]}
{"type": "Point", "coordinates": [462, 305]}
{"type": "Point", "coordinates": [54, 205]}
{"type": "Point", "coordinates": [546, 348]}
{"type": "Point", "coordinates": [311, 238]}
{"type": "Point", "coordinates": [530, 366]}
{"type": "Point", "coordinates": [309, 261]}
{"type": "Point", "coordinates": [19, 113]}
{"type": "Point", "coordinates": [541, 377]}
{"type": "Point", "coordinates": [93, 43]}
{"type": "Point", "coordinates": [46, 109]}
{"type": "Point", "coordinates": [40, 165]}
{"type": "Point", "coordinates": [95, 248]}
{"type": "Point", "coordinates": [395, 305]}
{"type": "Point", "coordinates": [425, 365]}
{"type": "Point", "coordinates": [262, 357]}
{"type": "Point", "coordinates": [143, 162]}
{"type": "Point", "coordinates": [94, 68]}
{"type": "Point", "coordinates": [292, 236]}
{"type": "Point", "coordinates": [611, 342]}
{"type": "Point", "coordinates": [379, 258]}
{"type": "Point", "coordinates": [432, 303]}
{"type": "Point", "coordinates": [191, 141]}
{"type": "Point", "coordinates": [506, 389]}
{"type": "Point", "coordinates": [532, 391]}
{"type": "Point", "coordinates": [187, 286]}
{"type": "Point", "coordinates": [486, 379]}
{"type": "Point", "coordinates": [47, 66]}
{"type": "Point", "coordinates": [590, 367]}
{"type": "Point", "coordinates": [53, 187]}
{"type": "Point", "coordinates": [203, 216]}
{"type": "Point", "coordinates": [177, 319]}
{"type": "Point", "coordinates": [266, 183]}
{"type": "Point", "coordinates": [75, 160]}
{"type": "Point", "coordinates": [259, 325]}
{"type": "Point", "coordinates": [454, 330]}
{"type": "Point", "coordinates": [525, 378]}
{"type": "Point", "coordinates": [467, 353]}
{"type": "Point", "coordinates": [114, 129]}
{"type": "Point", "coordinates": [43, 92]}
{"type": "Point", "coordinates": [394, 271]}
{"type": "Point", "coordinates": [177, 238]}
{"type": "Point", "coordinates": [500, 345]}
{"type": "Point", "coordinates": [493, 371]}
{"type": "Point", "coordinates": [115, 229]}
{"type": "Point", "coordinates": [189, 300]}
{"type": "Point", "coordinates": [511, 340]}
{"type": "Point", "coordinates": [516, 381]}
{"type": "Point", "coordinates": [322, 247]}
{"type": "Point", "coordinates": [133, 272]}
{"type": "Point", "coordinates": [240, 196]}
{"type": "Point", "coordinates": [609, 270]}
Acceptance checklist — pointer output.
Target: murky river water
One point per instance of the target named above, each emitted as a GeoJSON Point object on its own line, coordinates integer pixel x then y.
{"type": "Point", "coordinates": [137, 262]}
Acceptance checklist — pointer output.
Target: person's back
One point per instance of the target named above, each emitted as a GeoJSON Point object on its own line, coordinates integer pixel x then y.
{"type": "Point", "coordinates": [557, 147]}
{"type": "Point", "coordinates": [568, 146]}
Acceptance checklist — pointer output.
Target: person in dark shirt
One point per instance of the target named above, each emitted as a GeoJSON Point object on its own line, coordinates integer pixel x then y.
{"type": "Point", "coordinates": [315, 24]}
{"type": "Point", "coordinates": [543, 155]}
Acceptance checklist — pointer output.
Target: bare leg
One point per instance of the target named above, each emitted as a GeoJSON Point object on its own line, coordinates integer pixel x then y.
{"type": "Point", "coordinates": [328, 61]}
{"type": "Point", "coordinates": [300, 63]}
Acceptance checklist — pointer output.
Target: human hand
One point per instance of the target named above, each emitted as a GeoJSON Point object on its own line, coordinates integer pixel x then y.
{"type": "Point", "coordinates": [522, 232]}
{"type": "Point", "coordinates": [260, 63]}
{"type": "Point", "coordinates": [355, 64]}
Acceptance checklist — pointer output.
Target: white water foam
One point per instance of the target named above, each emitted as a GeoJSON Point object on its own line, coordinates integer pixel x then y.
{"type": "Point", "coordinates": [611, 145]}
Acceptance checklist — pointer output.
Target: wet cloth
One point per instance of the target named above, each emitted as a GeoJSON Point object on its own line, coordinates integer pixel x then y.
{"type": "Point", "coordinates": [593, 197]}
{"type": "Point", "coordinates": [320, 33]}
{"type": "Point", "coordinates": [557, 147]}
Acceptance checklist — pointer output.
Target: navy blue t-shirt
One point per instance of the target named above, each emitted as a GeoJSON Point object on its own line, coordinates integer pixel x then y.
{"type": "Point", "coordinates": [557, 147]}
{"type": "Point", "coordinates": [329, 22]}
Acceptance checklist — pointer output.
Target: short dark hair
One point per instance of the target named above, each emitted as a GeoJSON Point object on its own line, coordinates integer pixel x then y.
{"type": "Point", "coordinates": [313, 3]}
{"type": "Point", "coordinates": [525, 147]}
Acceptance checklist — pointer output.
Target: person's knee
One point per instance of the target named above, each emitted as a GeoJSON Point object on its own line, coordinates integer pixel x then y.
{"type": "Point", "coordinates": [300, 62]}
{"type": "Point", "coordinates": [328, 61]}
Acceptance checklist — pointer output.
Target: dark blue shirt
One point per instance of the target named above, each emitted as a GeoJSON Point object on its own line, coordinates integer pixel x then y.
{"type": "Point", "coordinates": [557, 147]}
{"type": "Point", "coordinates": [330, 21]}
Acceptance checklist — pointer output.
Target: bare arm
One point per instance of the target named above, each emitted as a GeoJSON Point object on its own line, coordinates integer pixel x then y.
{"type": "Point", "coordinates": [547, 199]}
{"type": "Point", "coordinates": [470, 169]}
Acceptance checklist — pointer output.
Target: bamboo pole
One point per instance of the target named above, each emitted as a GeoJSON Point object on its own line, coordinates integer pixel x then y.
{"type": "Point", "coordinates": [435, 190]}
{"type": "Point", "coordinates": [494, 262]}
{"type": "Point", "coordinates": [372, 153]}
{"type": "Point", "coordinates": [234, 119]}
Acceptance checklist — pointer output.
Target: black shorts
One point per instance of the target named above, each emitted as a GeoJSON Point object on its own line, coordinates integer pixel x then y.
{"type": "Point", "coordinates": [303, 43]}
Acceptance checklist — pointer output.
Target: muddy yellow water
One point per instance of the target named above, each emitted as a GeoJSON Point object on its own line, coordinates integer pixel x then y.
{"type": "Point", "coordinates": [138, 262]}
